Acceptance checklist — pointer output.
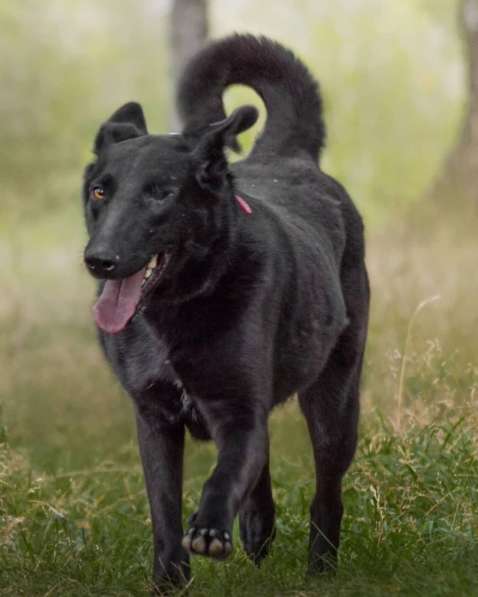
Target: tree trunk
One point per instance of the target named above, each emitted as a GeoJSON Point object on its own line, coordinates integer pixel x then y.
{"type": "Point", "coordinates": [469, 19]}
{"type": "Point", "coordinates": [188, 34]}
{"type": "Point", "coordinates": [460, 172]}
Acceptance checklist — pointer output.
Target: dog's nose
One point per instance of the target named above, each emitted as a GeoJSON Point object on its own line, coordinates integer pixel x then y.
{"type": "Point", "coordinates": [100, 262]}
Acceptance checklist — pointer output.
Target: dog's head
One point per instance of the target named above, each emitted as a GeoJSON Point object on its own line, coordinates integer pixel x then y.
{"type": "Point", "coordinates": [151, 206]}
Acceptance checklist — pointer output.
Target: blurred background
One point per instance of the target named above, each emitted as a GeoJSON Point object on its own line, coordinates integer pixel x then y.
{"type": "Point", "coordinates": [400, 85]}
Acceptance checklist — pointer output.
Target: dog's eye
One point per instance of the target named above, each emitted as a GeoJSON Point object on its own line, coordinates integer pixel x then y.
{"type": "Point", "coordinates": [97, 193]}
{"type": "Point", "coordinates": [159, 193]}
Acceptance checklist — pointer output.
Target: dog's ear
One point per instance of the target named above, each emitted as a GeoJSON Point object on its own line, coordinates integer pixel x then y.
{"type": "Point", "coordinates": [130, 113]}
{"type": "Point", "coordinates": [211, 164]}
{"type": "Point", "coordinates": [126, 123]}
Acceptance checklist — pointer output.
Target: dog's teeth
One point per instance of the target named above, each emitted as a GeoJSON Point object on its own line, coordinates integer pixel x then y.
{"type": "Point", "coordinates": [148, 273]}
{"type": "Point", "coordinates": [153, 262]}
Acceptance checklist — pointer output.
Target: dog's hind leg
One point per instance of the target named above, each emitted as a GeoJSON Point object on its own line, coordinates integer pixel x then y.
{"type": "Point", "coordinates": [161, 443]}
{"type": "Point", "coordinates": [331, 408]}
{"type": "Point", "coordinates": [239, 429]}
{"type": "Point", "coordinates": [332, 415]}
{"type": "Point", "coordinates": [257, 518]}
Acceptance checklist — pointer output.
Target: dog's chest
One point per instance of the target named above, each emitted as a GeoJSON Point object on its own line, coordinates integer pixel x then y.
{"type": "Point", "coordinates": [140, 358]}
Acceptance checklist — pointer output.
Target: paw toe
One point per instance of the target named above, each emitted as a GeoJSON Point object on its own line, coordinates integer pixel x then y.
{"type": "Point", "coordinates": [186, 542]}
{"type": "Point", "coordinates": [227, 548]}
{"type": "Point", "coordinates": [199, 545]}
{"type": "Point", "coordinates": [216, 548]}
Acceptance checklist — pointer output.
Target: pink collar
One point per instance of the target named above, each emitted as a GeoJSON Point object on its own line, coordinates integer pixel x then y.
{"type": "Point", "coordinates": [246, 208]}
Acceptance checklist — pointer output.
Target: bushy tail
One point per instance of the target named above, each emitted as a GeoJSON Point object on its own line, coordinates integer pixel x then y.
{"type": "Point", "coordinates": [289, 92]}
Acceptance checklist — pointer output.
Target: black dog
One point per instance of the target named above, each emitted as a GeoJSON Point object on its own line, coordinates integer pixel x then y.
{"type": "Point", "coordinates": [226, 289]}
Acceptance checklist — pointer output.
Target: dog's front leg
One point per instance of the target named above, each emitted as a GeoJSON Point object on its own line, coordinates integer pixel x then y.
{"type": "Point", "coordinates": [239, 429]}
{"type": "Point", "coordinates": [161, 448]}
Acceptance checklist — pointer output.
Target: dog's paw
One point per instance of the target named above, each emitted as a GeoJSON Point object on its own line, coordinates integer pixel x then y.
{"type": "Point", "coordinates": [257, 534]}
{"type": "Point", "coordinates": [208, 542]}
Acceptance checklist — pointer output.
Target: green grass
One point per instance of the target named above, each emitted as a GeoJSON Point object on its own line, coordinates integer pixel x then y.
{"type": "Point", "coordinates": [74, 518]}
{"type": "Point", "coordinates": [410, 525]}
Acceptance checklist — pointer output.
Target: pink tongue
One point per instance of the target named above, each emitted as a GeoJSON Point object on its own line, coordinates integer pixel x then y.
{"type": "Point", "coordinates": [117, 303]}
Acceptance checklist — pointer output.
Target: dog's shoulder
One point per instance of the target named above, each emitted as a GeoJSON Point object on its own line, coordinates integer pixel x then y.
{"type": "Point", "coordinates": [299, 201]}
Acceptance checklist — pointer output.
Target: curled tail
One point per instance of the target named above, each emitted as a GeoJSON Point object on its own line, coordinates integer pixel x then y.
{"type": "Point", "coordinates": [290, 93]}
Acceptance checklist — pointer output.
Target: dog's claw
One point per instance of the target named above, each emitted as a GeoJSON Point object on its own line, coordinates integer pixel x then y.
{"type": "Point", "coordinates": [208, 542]}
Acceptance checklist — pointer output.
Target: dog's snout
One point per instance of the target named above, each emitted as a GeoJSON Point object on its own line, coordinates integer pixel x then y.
{"type": "Point", "coordinates": [100, 262]}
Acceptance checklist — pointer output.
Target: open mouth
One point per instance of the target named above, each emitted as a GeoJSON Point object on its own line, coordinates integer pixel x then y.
{"type": "Point", "coordinates": [121, 299]}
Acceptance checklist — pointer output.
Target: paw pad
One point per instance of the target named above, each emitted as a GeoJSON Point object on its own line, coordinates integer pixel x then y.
{"type": "Point", "coordinates": [208, 542]}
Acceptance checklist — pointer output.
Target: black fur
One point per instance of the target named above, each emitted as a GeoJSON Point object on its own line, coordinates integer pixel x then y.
{"type": "Point", "coordinates": [249, 309]}
{"type": "Point", "coordinates": [294, 124]}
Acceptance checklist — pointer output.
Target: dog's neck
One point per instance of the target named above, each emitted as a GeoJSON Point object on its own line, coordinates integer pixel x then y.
{"type": "Point", "coordinates": [202, 267]}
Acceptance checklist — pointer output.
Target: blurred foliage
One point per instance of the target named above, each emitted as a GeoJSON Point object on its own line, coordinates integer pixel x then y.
{"type": "Point", "coordinates": [70, 65]}
{"type": "Point", "coordinates": [392, 77]}
{"type": "Point", "coordinates": [391, 74]}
